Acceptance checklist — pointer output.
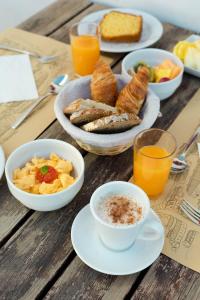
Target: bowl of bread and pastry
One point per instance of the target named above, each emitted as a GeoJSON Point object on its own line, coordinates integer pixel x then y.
{"type": "Point", "coordinates": [103, 112]}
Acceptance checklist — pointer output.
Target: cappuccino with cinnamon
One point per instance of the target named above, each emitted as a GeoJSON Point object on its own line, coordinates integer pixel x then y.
{"type": "Point", "coordinates": [119, 210]}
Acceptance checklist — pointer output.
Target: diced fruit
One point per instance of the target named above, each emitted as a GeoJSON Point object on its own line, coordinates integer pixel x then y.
{"type": "Point", "coordinates": [167, 63]}
{"type": "Point", "coordinates": [151, 70]}
{"type": "Point", "coordinates": [175, 71]}
{"type": "Point", "coordinates": [165, 71]}
{"type": "Point", "coordinates": [164, 79]}
{"type": "Point", "coordinates": [161, 73]}
{"type": "Point", "coordinates": [140, 64]}
{"type": "Point", "coordinates": [151, 75]}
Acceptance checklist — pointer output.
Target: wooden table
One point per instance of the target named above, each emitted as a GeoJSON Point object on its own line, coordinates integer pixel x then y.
{"type": "Point", "coordinates": [36, 257]}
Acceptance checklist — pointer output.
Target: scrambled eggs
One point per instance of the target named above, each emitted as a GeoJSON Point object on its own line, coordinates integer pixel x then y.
{"type": "Point", "coordinates": [44, 176]}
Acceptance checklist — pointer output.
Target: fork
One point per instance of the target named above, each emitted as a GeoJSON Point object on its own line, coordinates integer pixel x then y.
{"type": "Point", "coordinates": [191, 212]}
{"type": "Point", "coordinates": [42, 58]}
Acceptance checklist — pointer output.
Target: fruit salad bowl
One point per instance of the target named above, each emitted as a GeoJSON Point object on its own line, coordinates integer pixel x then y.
{"type": "Point", "coordinates": [153, 57]}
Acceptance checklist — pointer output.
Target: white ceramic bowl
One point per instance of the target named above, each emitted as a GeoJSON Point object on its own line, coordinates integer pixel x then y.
{"type": "Point", "coordinates": [44, 148]}
{"type": "Point", "coordinates": [154, 57]}
{"type": "Point", "coordinates": [102, 144]}
{"type": "Point", "coordinates": [2, 161]}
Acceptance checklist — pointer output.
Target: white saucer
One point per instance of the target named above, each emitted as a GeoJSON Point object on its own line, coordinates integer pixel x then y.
{"type": "Point", "coordinates": [151, 33]}
{"type": "Point", "coordinates": [92, 252]}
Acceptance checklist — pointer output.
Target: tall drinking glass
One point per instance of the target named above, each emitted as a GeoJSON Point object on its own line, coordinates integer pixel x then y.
{"type": "Point", "coordinates": [153, 153]}
{"type": "Point", "coordinates": [85, 47]}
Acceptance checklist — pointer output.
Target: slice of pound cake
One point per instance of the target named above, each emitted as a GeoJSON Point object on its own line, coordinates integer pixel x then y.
{"type": "Point", "coordinates": [121, 27]}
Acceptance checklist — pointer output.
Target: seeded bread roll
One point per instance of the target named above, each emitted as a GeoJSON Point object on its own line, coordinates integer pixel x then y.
{"type": "Point", "coordinates": [113, 124]}
{"type": "Point", "coordinates": [121, 27]}
{"type": "Point", "coordinates": [87, 115]}
{"type": "Point", "coordinates": [81, 103]}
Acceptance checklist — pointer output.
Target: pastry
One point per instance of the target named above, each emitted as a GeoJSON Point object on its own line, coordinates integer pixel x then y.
{"type": "Point", "coordinates": [121, 27]}
{"type": "Point", "coordinates": [81, 103]}
{"type": "Point", "coordinates": [112, 124]}
{"type": "Point", "coordinates": [87, 115]}
{"type": "Point", "coordinates": [103, 84]}
{"type": "Point", "coordinates": [132, 96]}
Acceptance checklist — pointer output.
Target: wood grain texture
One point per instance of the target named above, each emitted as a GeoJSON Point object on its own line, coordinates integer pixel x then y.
{"type": "Point", "coordinates": [167, 279]}
{"type": "Point", "coordinates": [11, 212]}
{"type": "Point", "coordinates": [81, 282]}
{"type": "Point", "coordinates": [39, 248]}
{"type": "Point", "coordinates": [54, 16]}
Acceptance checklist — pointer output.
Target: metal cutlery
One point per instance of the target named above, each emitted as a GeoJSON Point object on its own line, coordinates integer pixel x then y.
{"type": "Point", "coordinates": [54, 88]}
{"type": "Point", "coordinates": [191, 212]}
{"type": "Point", "coordinates": [179, 163]}
{"type": "Point", "coordinates": [42, 58]}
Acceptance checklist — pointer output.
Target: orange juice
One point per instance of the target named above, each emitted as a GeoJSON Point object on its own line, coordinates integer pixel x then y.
{"type": "Point", "coordinates": [151, 168]}
{"type": "Point", "coordinates": [85, 53]}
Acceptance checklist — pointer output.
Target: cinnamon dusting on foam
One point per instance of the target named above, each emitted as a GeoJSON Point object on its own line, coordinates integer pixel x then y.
{"type": "Point", "coordinates": [120, 210]}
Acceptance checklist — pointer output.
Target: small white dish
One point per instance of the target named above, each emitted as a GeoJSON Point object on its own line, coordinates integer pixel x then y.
{"type": "Point", "coordinates": [151, 33]}
{"type": "Point", "coordinates": [2, 161]}
{"type": "Point", "coordinates": [192, 38]}
{"type": "Point", "coordinates": [93, 253]}
{"type": "Point", "coordinates": [153, 57]}
{"type": "Point", "coordinates": [43, 148]}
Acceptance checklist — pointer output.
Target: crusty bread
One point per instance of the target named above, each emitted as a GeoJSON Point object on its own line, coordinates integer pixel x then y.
{"type": "Point", "coordinates": [87, 115]}
{"type": "Point", "coordinates": [81, 103]}
{"type": "Point", "coordinates": [113, 124]}
{"type": "Point", "coordinates": [121, 27]}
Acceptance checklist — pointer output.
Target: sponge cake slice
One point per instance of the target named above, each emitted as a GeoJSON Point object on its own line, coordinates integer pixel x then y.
{"type": "Point", "coordinates": [121, 27]}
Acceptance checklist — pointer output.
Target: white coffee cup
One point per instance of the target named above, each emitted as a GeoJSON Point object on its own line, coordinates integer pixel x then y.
{"type": "Point", "coordinates": [122, 237]}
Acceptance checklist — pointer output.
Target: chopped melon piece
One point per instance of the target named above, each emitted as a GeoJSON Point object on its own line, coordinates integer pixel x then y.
{"type": "Point", "coordinates": [161, 73]}
{"type": "Point", "coordinates": [175, 71]}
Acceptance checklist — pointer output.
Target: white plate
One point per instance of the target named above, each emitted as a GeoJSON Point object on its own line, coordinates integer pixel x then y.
{"type": "Point", "coordinates": [93, 253]}
{"type": "Point", "coordinates": [192, 38]}
{"type": "Point", "coordinates": [151, 33]}
{"type": "Point", "coordinates": [2, 161]}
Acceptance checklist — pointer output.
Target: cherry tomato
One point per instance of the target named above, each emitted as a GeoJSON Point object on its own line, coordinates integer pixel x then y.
{"type": "Point", "coordinates": [46, 174]}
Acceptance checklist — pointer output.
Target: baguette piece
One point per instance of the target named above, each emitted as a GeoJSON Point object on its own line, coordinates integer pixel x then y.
{"type": "Point", "coordinates": [112, 124]}
{"type": "Point", "coordinates": [87, 115]}
{"type": "Point", "coordinates": [121, 27]}
{"type": "Point", "coordinates": [81, 103]}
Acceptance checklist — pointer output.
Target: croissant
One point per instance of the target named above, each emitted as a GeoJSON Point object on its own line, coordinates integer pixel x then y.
{"type": "Point", "coordinates": [103, 84]}
{"type": "Point", "coordinates": [132, 96]}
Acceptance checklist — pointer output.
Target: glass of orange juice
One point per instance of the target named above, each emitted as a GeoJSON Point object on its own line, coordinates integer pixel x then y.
{"type": "Point", "coordinates": [85, 47]}
{"type": "Point", "coordinates": [153, 153]}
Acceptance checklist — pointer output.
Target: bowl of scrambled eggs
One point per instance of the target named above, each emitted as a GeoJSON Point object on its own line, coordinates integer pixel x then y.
{"type": "Point", "coordinates": [45, 174]}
